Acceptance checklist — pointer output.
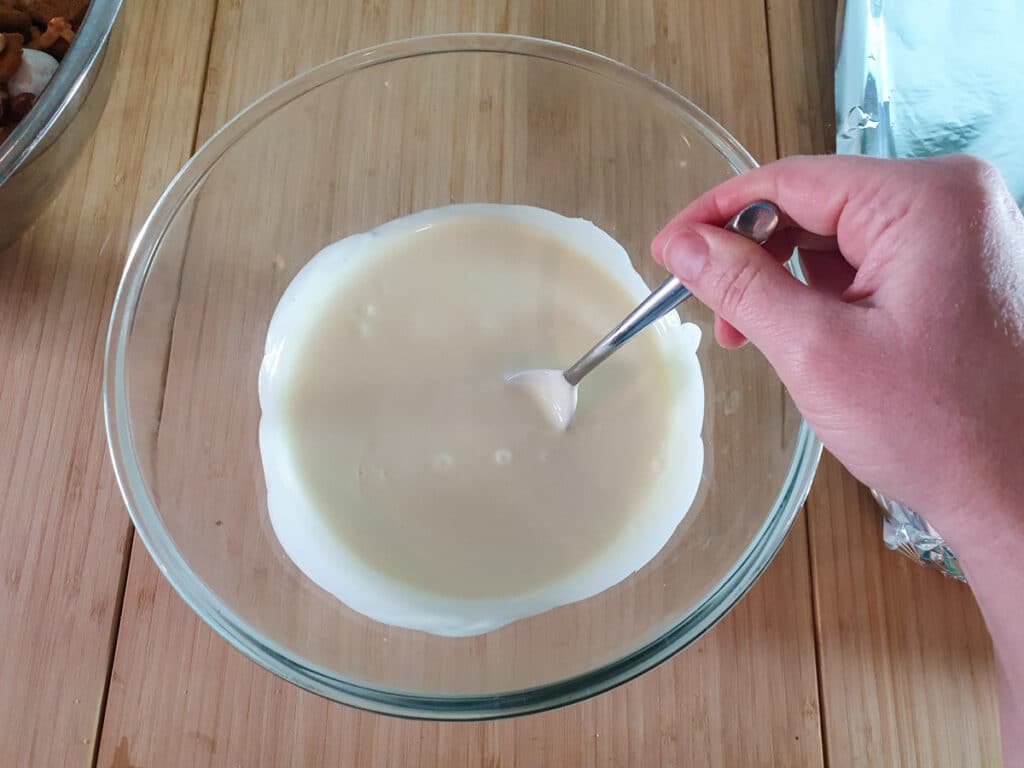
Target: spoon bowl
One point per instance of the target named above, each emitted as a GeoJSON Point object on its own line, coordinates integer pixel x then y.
{"type": "Point", "coordinates": [551, 391]}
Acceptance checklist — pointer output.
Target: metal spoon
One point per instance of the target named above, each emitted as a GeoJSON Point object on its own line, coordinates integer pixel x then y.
{"type": "Point", "coordinates": [555, 391]}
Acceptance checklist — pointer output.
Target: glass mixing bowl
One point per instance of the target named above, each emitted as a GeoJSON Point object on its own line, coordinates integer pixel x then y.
{"type": "Point", "coordinates": [366, 138]}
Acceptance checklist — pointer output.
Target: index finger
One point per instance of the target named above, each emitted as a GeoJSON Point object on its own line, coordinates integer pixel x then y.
{"type": "Point", "coordinates": [813, 191]}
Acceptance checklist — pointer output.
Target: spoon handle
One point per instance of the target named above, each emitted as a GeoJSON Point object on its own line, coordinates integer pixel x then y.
{"type": "Point", "coordinates": [756, 222]}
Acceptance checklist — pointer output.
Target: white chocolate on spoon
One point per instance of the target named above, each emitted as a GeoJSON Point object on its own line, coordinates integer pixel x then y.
{"type": "Point", "coordinates": [555, 391]}
{"type": "Point", "coordinates": [554, 395]}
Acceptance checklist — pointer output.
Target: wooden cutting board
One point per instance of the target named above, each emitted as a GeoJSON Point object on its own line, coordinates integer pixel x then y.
{"type": "Point", "coordinates": [843, 653]}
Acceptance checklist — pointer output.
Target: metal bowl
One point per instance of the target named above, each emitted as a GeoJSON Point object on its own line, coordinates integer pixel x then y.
{"type": "Point", "coordinates": [39, 153]}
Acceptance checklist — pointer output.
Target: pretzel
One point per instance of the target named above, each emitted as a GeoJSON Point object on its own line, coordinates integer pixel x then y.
{"type": "Point", "coordinates": [10, 55]}
{"type": "Point", "coordinates": [19, 106]}
{"type": "Point", "coordinates": [13, 20]}
{"type": "Point", "coordinates": [57, 29]}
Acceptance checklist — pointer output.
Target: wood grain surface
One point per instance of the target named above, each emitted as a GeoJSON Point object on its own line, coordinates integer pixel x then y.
{"type": "Point", "coordinates": [64, 535]}
{"type": "Point", "coordinates": [843, 653]}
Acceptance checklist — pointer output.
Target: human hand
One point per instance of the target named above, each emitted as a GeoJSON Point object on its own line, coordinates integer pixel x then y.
{"type": "Point", "coordinates": [905, 353]}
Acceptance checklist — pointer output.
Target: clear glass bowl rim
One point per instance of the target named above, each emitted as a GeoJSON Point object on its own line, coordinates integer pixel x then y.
{"type": "Point", "coordinates": [264, 651]}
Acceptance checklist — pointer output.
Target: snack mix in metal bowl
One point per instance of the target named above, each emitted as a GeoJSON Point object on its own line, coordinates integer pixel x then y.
{"type": "Point", "coordinates": [34, 36]}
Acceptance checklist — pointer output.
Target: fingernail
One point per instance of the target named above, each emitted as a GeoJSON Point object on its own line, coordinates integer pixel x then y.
{"type": "Point", "coordinates": [686, 254]}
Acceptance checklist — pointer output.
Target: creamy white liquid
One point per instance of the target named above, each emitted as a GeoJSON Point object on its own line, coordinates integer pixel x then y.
{"type": "Point", "coordinates": [555, 397]}
{"type": "Point", "coordinates": [407, 477]}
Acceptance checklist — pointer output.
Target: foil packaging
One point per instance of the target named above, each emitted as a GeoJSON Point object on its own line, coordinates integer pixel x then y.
{"type": "Point", "coordinates": [916, 78]}
{"type": "Point", "coordinates": [929, 77]}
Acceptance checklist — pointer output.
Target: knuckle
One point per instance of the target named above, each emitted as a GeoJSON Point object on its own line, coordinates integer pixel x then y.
{"type": "Point", "coordinates": [972, 166]}
{"type": "Point", "coordinates": [973, 198]}
{"type": "Point", "coordinates": [736, 288]}
{"type": "Point", "coordinates": [972, 176]}
{"type": "Point", "coordinates": [883, 220]}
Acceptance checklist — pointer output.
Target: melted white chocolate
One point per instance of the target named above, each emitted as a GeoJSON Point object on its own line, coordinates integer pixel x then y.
{"type": "Point", "coordinates": [407, 477]}
{"type": "Point", "coordinates": [554, 395]}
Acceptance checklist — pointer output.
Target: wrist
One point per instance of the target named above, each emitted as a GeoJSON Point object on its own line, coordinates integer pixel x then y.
{"type": "Point", "coordinates": [988, 540]}
{"type": "Point", "coordinates": [987, 528]}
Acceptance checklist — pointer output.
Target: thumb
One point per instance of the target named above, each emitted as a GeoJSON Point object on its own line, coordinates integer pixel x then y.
{"type": "Point", "coordinates": [743, 284]}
